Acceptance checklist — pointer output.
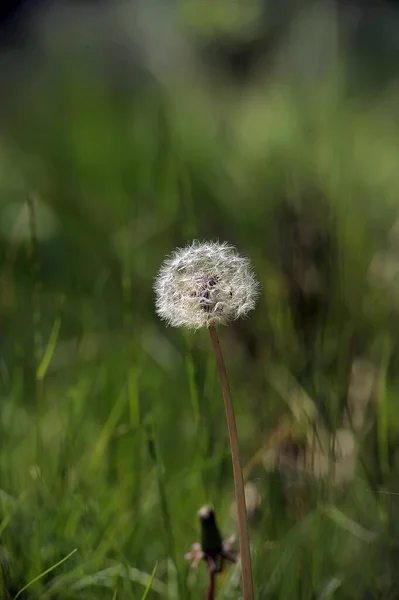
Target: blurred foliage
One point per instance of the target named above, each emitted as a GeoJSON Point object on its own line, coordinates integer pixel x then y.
{"type": "Point", "coordinates": [112, 428]}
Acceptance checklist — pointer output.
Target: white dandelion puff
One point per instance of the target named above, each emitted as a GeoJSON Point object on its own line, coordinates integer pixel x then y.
{"type": "Point", "coordinates": [205, 284]}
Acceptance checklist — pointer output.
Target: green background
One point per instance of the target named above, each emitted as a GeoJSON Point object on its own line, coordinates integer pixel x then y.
{"type": "Point", "coordinates": [112, 429]}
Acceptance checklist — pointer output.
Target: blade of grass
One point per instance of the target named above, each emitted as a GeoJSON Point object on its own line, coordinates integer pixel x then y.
{"type": "Point", "coordinates": [33, 256]}
{"type": "Point", "coordinates": [49, 351]}
{"type": "Point", "coordinates": [154, 455]}
{"type": "Point", "coordinates": [46, 572]}
{"type": "Point", "coordinates": [134, 397]}
{"type": "Point", "coordinates": [148, 588]}
{"type": "Point", "coordinates": [349, 524]}
{"type": "Point", "coordinates": [108, 429]}
{"type": "Point", "coordinates": [382, 409]}
{"type": "Point", "coordinates": [107, 576]}
{"type": "Point", "coordinates": [192, 385]}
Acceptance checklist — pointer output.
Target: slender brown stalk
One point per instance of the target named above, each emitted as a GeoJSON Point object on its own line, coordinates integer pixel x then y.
{"type": "Point", "coordinates": [212, 585]}
{"type": "Point", "coordinates": [245, 551]}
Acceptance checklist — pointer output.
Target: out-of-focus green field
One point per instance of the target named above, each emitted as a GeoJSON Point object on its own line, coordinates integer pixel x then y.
{"type": "Point", "coordinates": [112, 429]}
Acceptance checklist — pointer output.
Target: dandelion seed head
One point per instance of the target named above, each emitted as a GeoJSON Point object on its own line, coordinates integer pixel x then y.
{"type": "Point", "coordinates": [205, 284]}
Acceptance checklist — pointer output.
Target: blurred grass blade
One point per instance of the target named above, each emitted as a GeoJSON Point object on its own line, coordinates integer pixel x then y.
{"type": "Point", "coordinates": [301, 405]}
{"type": "Point", "coordinates": [349, 525]}
{"type": "Point", "coordinates": [229, 586]}
{"type": "Point", "coordinates": [157, 461]}
{"type": "Point", "coordinates": [134, 397]}
{"type": "Point", "coordinates": [285, 552]}
{"type": "Point", "coordinates": [44, 573]}
{"type": "Point", "coordinates": [383, 409]}
{"type": "Point", "coordinates": [108, 429]}
{"type": "Point", "coordinates": [329, 589]}
{"type": "Point", "coordinates": [192, 385]}
{"type": "Point", "coordinates": [148, 588]}
{"type": "Point", "coordinates": [106, 578]}
{"type": "Point", "coordinates": [48, 354]}
{"type": "Point", "coordinates": [173, 581]}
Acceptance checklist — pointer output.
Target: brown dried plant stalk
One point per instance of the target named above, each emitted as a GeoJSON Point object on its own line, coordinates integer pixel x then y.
{"type": "Point", "coordinates": [245, 550]}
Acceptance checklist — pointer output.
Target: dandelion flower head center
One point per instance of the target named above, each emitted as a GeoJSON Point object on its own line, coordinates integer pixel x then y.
{"type": "Point", "coordinates": [208, 290]}
{"type": "Point", "coordinates": [205, 284]}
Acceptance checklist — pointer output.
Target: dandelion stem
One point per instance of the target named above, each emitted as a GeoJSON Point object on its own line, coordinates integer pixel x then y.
{"type": "Point", "coordinates": [211, 588]}
{"type": "Point", "coordinates": [245, 550]}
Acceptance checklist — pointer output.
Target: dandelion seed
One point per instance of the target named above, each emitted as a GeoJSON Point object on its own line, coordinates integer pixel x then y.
{"type": "Point", "coordinates": [205, 284]}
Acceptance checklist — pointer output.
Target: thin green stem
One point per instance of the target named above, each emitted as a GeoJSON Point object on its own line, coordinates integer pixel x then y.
{"type": "Point", "coordinates": [245, 550]}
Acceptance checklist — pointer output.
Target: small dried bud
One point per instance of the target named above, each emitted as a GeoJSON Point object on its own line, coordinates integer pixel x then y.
{"type": "Point", "coordinates": [211, 540]}
{"type": "Point", "coordinates": [212, 549]}
{"type": "Point", "coordinates": [205, 284]}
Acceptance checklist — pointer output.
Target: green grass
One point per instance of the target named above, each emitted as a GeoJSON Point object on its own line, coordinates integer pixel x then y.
{"type": "Point", "coordinates": [112, 430]}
